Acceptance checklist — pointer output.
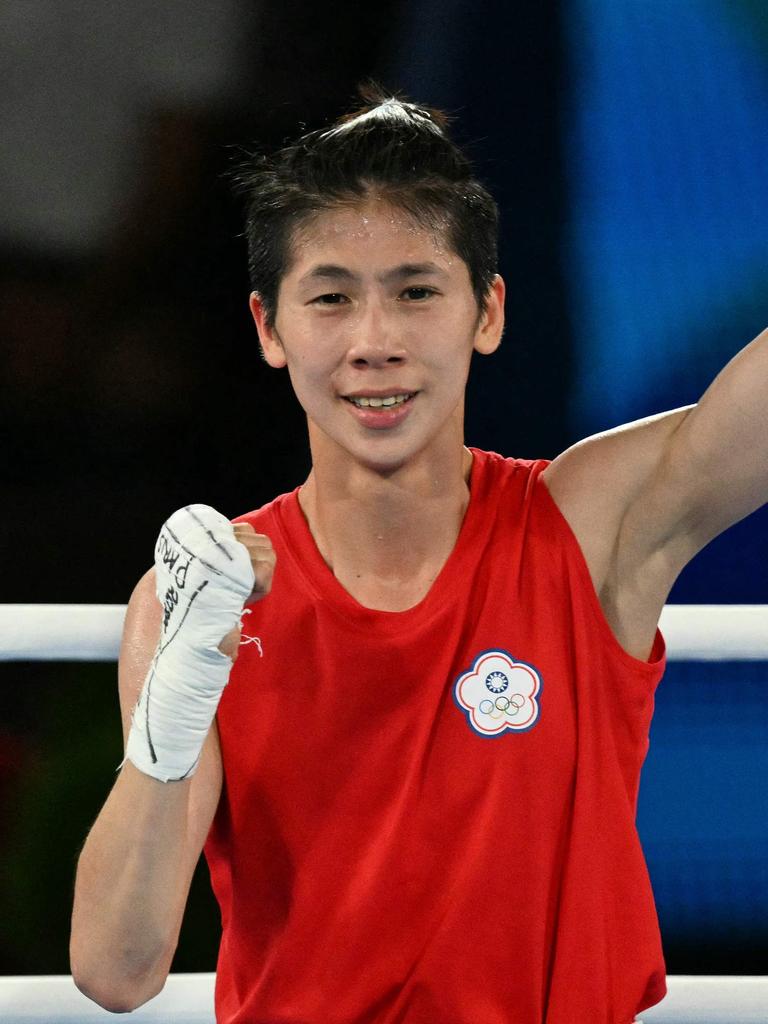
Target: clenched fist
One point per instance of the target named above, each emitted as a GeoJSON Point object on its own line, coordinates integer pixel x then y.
{"type": "Point", "coordinates": [206, 570]}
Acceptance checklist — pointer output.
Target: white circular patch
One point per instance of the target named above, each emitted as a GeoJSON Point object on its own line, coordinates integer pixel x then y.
{"type": "Point", "coordinates": [497, 672]}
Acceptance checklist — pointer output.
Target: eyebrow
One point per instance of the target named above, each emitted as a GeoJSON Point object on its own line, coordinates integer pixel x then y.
{"type": "Point", "coordinates": [333, 272]}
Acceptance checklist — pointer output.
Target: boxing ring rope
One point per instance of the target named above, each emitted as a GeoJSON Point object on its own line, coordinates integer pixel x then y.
{"type": "Point", "coordinates": [91, 632]}
{"type": "Point", "coordinates": [188, 999]}
{"type": "Point", "coordinates": [42, 632]}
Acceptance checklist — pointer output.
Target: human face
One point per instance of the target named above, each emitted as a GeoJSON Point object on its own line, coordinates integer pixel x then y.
{"type": "Point", "coordinates": [375, 308]}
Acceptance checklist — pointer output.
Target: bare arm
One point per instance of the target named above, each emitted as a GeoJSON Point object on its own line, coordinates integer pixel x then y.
{"type": "Point", "coordinates": [645, 498]}
{"type": "Point", "coordinates": [136, 867]}
{"type": "Point", "coordinates": [713, 471]}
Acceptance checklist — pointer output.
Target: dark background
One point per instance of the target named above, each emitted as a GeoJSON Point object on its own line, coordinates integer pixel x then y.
{"type": "Point", "coordinates": [130, 380]}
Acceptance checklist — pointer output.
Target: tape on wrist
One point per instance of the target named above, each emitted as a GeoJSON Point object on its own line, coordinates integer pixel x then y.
{"type": "Point", "coordinates": [203, 577]}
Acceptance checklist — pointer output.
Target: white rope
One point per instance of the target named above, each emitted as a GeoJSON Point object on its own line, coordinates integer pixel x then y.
{"type": "Point", "coordinates": [716, 632]}
{"type": "Point", "coordinates": [60, 632]}
{"type": "Point", "coordinates": [188, 999]}
{"type": "Point", "coordinates": [91, 632]}
{"type": "Point", "coordinates": [53, 999]}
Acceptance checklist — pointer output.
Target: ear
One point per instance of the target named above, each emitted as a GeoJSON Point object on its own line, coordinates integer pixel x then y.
{"type": "Point", "coordinates": [491, 325]}
{"type": "Point", "coordinates": [271, 346]}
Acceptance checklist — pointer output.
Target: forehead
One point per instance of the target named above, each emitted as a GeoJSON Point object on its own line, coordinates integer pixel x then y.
{"type": "Point", "coordinates": [374, 233]}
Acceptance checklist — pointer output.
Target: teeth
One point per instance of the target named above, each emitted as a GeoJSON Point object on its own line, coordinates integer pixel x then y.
{"type": "Point", "coordinates": [377, 403]}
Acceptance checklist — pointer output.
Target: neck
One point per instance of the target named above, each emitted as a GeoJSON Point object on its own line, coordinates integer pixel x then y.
{"type": "Point", "coordinates": [387, 536]}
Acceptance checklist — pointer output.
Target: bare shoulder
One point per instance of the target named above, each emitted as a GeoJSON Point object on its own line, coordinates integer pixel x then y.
{"type": "Point", "coordinates": [601, 486]}
{"type": "Point", "coordinates": [141, 632]}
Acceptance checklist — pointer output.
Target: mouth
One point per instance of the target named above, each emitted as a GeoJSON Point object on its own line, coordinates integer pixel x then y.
{"type": "Point", "coordinates": [382, 411]}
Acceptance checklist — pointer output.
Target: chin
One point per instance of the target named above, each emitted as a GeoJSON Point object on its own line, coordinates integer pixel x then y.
{"type": "Point", "coordinates": [384, 454]}
{"type": "Point", "coordinates": [380, 462]}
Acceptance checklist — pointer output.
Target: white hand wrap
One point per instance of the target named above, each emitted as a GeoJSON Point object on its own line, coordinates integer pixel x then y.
{"type": "Point", "coordinates": [204, 577]}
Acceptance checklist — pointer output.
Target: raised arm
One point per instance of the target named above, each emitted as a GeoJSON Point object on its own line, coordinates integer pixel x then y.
{"type": "Point", "coordinates": [645, 498]}
{"type": "Point", "coordinates": [713, 470]}
{"type": "Point", "coordinates": [136, 867]}
{"type": "Point", "coordinates": [135, 870]}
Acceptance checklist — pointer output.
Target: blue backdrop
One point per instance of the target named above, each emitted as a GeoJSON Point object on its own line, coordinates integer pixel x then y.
{"type": "Point", "coordinates": [667, 242]}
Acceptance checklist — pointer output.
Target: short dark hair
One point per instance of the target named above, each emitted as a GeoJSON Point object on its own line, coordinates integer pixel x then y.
{"type": "Point", "coordinates": [389, 148]}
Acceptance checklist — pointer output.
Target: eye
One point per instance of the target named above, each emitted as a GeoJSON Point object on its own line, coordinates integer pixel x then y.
{"type": "Point", "coordinates": [330, 299]}
{"type": "Point", "coordinates": [418, 293]}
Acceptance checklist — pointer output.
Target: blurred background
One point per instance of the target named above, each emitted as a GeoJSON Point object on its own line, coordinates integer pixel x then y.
{"type": "Point", "coordinates": [626, 141]}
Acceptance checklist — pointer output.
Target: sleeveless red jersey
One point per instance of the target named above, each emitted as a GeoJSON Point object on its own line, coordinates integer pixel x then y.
{"type": "Point", "coordinates": [428, 816]}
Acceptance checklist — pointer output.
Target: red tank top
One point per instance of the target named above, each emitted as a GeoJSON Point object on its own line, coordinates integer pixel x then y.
{"type": "Point", "coordinates": [428, 816]}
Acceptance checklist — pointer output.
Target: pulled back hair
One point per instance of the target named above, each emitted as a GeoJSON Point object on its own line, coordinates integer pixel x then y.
{"type": "Point", "coordinates": [389, 149]}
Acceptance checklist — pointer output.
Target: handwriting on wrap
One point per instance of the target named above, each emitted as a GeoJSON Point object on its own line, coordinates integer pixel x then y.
{"type": "Point", "coordinates": [169, 603]}
{"type": "Point", "coordinates": [172, 557]}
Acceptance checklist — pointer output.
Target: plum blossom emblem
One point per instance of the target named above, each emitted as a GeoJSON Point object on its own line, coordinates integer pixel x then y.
{"type": "Point", "coordinates": [498, 694]}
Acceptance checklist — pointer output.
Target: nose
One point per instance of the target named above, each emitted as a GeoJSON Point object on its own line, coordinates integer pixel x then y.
{"type": "Point", "coordinates": [375, 340]}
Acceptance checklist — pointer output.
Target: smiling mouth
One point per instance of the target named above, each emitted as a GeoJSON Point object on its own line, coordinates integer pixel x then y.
{"type": "Point", "coordinates": [386, 402]}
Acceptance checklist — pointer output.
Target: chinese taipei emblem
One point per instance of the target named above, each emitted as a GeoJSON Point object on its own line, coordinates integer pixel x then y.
{"type": "Point", "coordinates": [498, 693]}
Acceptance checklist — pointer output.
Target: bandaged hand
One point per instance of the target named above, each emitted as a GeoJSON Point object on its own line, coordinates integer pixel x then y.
{"type": "Point", "coordinates": [206, 570]}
